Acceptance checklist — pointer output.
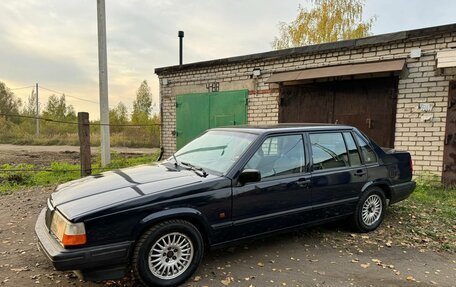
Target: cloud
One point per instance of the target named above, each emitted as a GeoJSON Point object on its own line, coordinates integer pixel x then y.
{"type": "Point", "coordinates": [55, 42]}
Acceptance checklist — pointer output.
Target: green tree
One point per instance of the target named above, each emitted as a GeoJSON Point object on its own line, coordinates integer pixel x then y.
{"type": "Point", "coordinates": [324, 21]}
{"type": "Point", "coordinates": [142, 106]}
{"type": "Point", "coordinates": [118, 116]}
{"type": "Point", "coordinates": [57, 109]}
{"type": "Point", "coordinates": [30, 106]}
{"type": "Point", "coordinates": [9, 104]}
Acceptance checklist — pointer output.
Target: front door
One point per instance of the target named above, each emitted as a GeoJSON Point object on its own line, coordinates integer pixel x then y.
{"type": "Point", "coordinates": [283, 197]}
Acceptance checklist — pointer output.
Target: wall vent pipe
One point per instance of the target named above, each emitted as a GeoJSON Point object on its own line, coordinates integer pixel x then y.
{"type": "Point", "coordinates": [181, 40]}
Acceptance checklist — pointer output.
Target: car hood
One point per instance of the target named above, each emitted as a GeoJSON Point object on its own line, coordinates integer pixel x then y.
{"type": "Point", "coordinates": [91, 193]}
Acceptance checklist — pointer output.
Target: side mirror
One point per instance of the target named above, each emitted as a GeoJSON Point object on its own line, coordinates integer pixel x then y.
{"type": "Point", "coordinates": [249, 175]}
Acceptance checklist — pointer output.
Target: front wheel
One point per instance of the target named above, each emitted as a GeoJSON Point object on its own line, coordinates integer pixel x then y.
{"type": "Point", "coordinates": [370, 210]}
{"type": "Point", "coordinates": [168, 253]}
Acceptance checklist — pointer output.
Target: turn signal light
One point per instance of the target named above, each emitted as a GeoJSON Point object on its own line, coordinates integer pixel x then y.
{"type": "Point", "coordinates": [71, 240]}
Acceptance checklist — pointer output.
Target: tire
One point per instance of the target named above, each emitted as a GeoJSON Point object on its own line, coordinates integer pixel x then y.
{"type": "Point", "coordinates": [167, 254]}
{"type": "Point", "coordinates": [370, 210]}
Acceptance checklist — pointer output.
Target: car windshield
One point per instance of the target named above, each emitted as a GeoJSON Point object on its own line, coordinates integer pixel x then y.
{"type": "Point", "coordinates": [215, 151]}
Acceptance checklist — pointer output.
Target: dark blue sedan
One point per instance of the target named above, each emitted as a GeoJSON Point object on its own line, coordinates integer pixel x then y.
{"type": "Point", "coordinates": [226, 186]}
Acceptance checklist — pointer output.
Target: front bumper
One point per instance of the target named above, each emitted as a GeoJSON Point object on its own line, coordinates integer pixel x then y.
{"type": "Point", "coordinates": [402, 191]}
{"type": "Point", "coordinates": [89, 260]}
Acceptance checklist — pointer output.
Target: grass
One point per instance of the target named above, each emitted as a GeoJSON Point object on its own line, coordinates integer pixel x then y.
{"type": "Point", "coordinates": [11, 180]}
{"type": "Point", "coordinates": [428, 217]}
{"type": "Point", "coordinates": [116, 139]}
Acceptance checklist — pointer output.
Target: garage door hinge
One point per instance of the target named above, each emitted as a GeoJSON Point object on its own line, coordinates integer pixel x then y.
{"type": "Point", "coordinates": [177, 104]}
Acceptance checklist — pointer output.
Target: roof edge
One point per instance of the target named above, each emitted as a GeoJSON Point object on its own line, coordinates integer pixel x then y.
{"type": "Point", "coordinates": [303, 50]}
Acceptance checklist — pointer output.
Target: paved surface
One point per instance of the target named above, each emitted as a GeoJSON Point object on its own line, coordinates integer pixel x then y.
{"type": "Point", "coordinates": [325, 256]}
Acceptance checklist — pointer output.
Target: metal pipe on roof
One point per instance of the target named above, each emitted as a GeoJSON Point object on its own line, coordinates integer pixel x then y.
{"type": "Point", "coordinates": [181, 40]}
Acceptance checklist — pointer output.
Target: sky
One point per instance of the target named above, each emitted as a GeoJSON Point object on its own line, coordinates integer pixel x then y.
{"type": "Point", "coordinates": [54, 42]}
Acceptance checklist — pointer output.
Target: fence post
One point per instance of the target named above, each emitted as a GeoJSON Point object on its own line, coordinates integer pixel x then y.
{"type": "Point", "coordinates": [84, 143]}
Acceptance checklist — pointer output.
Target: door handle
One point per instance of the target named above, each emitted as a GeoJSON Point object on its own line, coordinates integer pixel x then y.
{"type": "Point", "coordinates": [302, 182]}
{"type": "Point", "coordinates": [369, 123]}
{"type": "Point", "coordinates": [360, 172]}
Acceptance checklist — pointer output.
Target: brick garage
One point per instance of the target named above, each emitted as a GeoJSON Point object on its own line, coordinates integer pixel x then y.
{"type": "Point", "coordinates": [420, 88]}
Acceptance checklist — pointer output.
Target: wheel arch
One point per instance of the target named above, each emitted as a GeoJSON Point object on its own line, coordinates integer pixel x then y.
{"type": "Point", "coordinates": [382, 184]}
{"type": "Point", "coordinates": [190, 215]}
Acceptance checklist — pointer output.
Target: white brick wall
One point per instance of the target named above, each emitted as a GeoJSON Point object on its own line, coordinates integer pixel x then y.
{"type": "Point", "coordinates": [420, 84]}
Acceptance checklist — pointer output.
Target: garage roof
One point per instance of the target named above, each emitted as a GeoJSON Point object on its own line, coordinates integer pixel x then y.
{"type": "Point", "coordinates": [337, 71]}
{"type": "Point", "coordinates": [315, 49]}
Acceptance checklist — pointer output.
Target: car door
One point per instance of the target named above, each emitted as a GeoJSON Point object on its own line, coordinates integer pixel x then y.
{"type": "Point", "coordinates": [338, 174]}
{"type": "Point", "coordinates": [283, 196]}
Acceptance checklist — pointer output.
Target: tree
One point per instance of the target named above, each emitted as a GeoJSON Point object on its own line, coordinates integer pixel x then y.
{"type": "Point", "coordinates": [57, 109]}
{"type": "Point", "coordinates": [30, 106]}
{"type": "Point", "coordinates": [9, 104]}
{"type": "Point", "coordinates": [142, 106]}
{"type": "Point", "coordinates": [325, 21]}
{"type": "Point", "coordinates": [118, 116]}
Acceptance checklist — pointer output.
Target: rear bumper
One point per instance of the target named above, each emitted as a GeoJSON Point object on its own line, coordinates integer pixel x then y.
{"type": "Point", "coordinates": [401, 191]}
{"type": "Point", "coordinates": [107, 260]}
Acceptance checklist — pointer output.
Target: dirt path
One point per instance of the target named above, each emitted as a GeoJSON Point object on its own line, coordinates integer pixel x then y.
{"type": "Point", "coordinates": [45, 155]}
{"type": "Point", "coordinates": [326, 256]}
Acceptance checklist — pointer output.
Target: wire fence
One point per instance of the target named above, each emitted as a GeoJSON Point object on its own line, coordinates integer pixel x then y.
{"type": "Point", "coordinates": [21, 130]}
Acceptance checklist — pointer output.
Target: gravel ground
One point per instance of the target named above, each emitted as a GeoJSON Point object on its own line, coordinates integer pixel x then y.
{"type": "Point", "coordinates": [325, 256]}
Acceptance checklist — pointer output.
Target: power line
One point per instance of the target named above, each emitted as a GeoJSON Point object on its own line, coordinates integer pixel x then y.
{"type": "Point", "coordinates": [66, 95]}
{"type": "Point", "coordinates": [21, 88]}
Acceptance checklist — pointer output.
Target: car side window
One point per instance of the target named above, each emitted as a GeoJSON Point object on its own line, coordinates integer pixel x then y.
{"type": "Point", "coordinates": [366, 151]}
{"type": "Point", "coordinates": [353, 153]}
{"type": "Point", "coordinates": [279, 155]}
{"type": "Point", "coordinates": [328, 150]}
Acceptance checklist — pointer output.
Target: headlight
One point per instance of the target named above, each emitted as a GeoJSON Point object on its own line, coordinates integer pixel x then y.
{"type": "Point", "coordinates": [69, 234]}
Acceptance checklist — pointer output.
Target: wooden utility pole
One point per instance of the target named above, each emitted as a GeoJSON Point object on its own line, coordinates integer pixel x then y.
{"type": "Point", "coordinates": [103, 79]}
{"type": "Point", "coordinates": [84, 143]}
{"type": "Point", "coordinates": [37, 112]}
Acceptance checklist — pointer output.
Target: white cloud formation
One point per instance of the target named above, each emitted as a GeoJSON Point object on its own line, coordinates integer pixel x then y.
{"type": "Point", "coordinates": [54, 42]}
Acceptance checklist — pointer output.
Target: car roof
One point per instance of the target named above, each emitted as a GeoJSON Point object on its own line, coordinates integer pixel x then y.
{"type": "Point", "coordinates": [289, 127]}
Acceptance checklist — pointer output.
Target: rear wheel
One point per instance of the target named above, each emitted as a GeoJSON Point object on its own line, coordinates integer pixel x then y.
{"type": "Point", "coordinates": [370, 210]}
{"type": "Point", "coordinates": [168, 253]}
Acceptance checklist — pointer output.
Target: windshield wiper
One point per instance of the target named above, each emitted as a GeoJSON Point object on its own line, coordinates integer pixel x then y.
{"type": "Point", "coordinates": [176, 163]}
{"type": "Point", "coordinates": [198, 170]}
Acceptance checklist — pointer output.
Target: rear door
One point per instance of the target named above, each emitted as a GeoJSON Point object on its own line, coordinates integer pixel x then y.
{"type": "Point", "coordinates": [283, 197]}
{"type": "Point", "coordinates": [338, 174]}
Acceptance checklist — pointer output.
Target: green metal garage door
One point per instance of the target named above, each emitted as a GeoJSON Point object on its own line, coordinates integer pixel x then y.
{"type": "Point", "coordinates": [196, 113]}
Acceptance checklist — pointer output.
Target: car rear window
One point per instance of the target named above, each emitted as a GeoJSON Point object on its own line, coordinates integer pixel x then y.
{"type": "Point", "coordinates": [328, 150]}
{"type": "Point", "coordinates": [353, 154]}
{"type": "Point", "coordinates": [366, 151]}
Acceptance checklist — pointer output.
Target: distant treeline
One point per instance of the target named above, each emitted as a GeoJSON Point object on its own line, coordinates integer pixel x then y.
{"type": "Point", "coordinates": [58, 121]}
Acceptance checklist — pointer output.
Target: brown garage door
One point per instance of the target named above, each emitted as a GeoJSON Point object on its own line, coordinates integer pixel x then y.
{"type": "Point", "coordinates": [368, 104]}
